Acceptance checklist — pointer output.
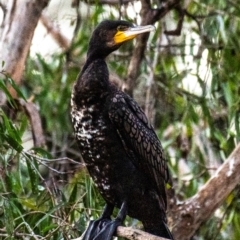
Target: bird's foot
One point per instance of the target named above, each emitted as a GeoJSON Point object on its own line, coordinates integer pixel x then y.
{"type": "Point", "coordinates": [108, 230]}
{"type": "Point", "coordinates": [95, 227]}
{"type": "Point", "coordinates": [104, 228]}
{"type": "Point", "coordinates": [110, 227]}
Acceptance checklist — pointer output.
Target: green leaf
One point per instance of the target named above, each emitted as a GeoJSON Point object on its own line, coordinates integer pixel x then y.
{"type": "Point", "coordinates": [73, 195]}
{"type": "Point", "coordinates": [42, 152]}
{"type": "Point", "coordinates": [14, 143]}
{"type": "Point", "coordinates": [11, 133]}
{"type": "Point", "coordinates": [8, 217]}
{"type": "Point", "coordinates": [47, 214]}
{"type": "Point", "coordinates": [4, 88]}
{"type": "Point", "coordinates": [16, 88]}
{"type": "Point", "coordinates": [32, 171]}
{"type": "Point", "coordinates": [48, 228]}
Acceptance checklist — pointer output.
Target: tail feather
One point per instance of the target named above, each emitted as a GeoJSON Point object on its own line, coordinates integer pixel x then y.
{"type": "Point", "coordinates": [160, 230]}
{"type": "Point", "coordinates": [168, 233]}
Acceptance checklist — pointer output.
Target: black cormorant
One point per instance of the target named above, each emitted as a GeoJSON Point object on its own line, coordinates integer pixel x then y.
{"type": "Point", "coordinates": [120, 148]}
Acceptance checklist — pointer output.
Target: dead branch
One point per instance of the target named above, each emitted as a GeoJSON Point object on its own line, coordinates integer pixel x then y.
{"type": "Point", "coordinates": [189, 215]}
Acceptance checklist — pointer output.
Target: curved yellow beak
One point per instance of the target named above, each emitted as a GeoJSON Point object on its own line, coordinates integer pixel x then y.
{"type": "Point", "coordinates": [130, 33]}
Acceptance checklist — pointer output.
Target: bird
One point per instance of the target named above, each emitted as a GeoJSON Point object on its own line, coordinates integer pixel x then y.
{"type": "Point", "coordinates": [119, 146]}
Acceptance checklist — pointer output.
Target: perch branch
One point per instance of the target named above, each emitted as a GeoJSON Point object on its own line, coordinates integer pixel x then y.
{"type": "Point", "coordinates": [136, 234]}
{"type": "Point", "coordinates": [133, 234]}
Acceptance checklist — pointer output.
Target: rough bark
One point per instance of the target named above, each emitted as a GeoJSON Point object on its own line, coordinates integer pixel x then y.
{"type": "Point", "coordinates": [136, 234]}
{"type": "Point", "coordinates": [190, 214]}
{"type": "Point", "coordinates": [16, 35]}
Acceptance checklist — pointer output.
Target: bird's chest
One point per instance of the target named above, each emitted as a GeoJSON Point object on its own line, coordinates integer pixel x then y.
{"type": "Point", "coordinates": [90, 129]}
{"type": "Point", "coordinates": [93, 131]}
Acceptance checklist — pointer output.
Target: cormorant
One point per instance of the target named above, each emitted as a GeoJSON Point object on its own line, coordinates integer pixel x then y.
{"type": "Point", "coordinates": [119, 146]}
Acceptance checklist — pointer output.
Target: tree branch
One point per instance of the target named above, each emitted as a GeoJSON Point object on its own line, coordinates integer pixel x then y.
{"type": "Point", "coordinates": [189, 215]}
{"type": "Point", "coordinates": [149, 16]}
{"type": "Point", "coordinates": [36, 124]}
{"type": "Point", "coordinates": [136, 234]}
{"type": "Point", "coordinates": [133, 234]}
{"type": "Point", "coordinates": [55, 32]}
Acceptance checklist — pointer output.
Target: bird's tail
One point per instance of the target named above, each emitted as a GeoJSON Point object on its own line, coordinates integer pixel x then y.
{"type": "Point", "coordinates": [167, 231]}
{"type": "Point", "coordinates": [160, 230]}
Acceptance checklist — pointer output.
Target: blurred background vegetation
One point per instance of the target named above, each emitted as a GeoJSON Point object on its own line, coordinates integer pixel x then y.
{"type": "Point", "coordinates": [188, 85]}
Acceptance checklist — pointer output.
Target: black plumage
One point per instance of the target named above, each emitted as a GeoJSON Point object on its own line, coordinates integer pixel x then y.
{"type": "Point", "coordinates": [120, 148]}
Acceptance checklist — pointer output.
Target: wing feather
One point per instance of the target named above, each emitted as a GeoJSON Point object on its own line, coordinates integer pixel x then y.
{"type": "Point", "coordinates": [139, 139]}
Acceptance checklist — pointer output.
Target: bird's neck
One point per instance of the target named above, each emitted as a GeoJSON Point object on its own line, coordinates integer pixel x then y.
{"type": "Point", "coordinates": [91, 57]}
{"type": "Point", "coordinates": [94, 76]}
{"type": "Point", "coordinates": [97, 52]}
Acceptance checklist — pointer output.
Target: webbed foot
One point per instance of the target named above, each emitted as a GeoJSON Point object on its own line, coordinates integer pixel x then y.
{"type": "Point", "coordinates": [95, 226]}
{"type": "Point", "coordinates": [110, 228]}
{"type": "Point", "coordinates": [104, 228]}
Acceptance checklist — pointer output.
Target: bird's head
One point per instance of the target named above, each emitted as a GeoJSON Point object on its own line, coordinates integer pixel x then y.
{"type": "Point", "coordinates": [110, 35]}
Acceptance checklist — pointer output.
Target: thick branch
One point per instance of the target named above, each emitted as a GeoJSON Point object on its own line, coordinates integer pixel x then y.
{"type": "Point", "coordinates": [136, 234]}
{"type": "Point", "coordinates": [189, 215]}
{"type": "Point", "coordinates": [133, 234]}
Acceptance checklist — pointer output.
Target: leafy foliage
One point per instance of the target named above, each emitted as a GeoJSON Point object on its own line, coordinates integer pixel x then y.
{"type": "Point", "coordinates": [29, 208]}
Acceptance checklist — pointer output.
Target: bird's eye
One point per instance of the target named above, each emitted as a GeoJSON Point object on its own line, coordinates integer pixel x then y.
{"type": "Point", "coordinates": [122, 28]}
